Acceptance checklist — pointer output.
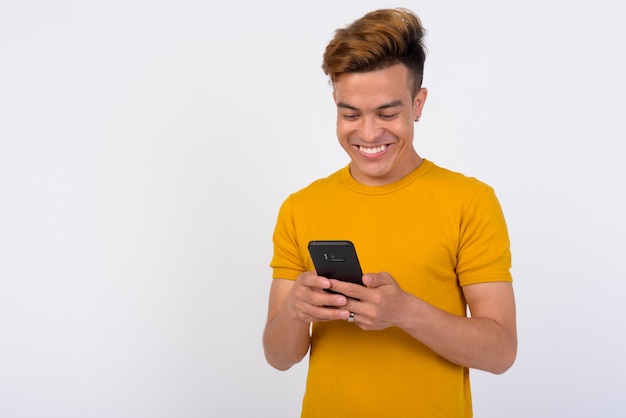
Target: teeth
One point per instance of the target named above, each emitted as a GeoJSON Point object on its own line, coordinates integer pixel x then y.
{"type": "Point", "coordinates": [372, 151]}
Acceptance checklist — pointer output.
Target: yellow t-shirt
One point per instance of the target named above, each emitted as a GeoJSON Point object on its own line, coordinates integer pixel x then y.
{"type": "Point", "coordinates": [434, 231]}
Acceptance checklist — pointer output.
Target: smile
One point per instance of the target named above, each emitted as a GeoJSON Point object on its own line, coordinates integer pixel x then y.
{"type": "Point", "coordinates": [372, 150]}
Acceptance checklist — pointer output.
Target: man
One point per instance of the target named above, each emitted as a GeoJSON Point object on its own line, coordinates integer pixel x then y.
{"type": "Point", "coordinates": [432, 243]}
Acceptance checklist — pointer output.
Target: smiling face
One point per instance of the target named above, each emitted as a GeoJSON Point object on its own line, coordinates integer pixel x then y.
{"type": "Point", "coordinates": [375, 120]}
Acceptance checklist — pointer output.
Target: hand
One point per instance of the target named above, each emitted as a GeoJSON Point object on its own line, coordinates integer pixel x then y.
{"type": "Point", "coordinates": [311, 303]}
{"type": "Point", "coordinates": [380, 304]}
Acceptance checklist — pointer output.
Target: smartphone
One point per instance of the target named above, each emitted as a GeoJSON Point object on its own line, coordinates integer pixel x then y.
{"type": "Point", "coordinates": [336, 260]}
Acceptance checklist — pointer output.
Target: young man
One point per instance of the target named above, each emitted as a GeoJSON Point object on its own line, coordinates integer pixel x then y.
{"type": "Point", "coordinates": [432, 243]}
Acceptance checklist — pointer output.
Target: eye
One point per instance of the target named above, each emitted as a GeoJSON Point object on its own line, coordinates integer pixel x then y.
{"type": "Point", "coordinates": [388, 116]}
{"type": "Point", "coordinates": [350, 117]}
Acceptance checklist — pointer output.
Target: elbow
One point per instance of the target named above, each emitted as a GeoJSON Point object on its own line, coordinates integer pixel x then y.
{"type": "Point", "coordinates": [502, 367]}
{"type": "Point", "coordinates": [282, 364]}
{"type": "Point", "coordinates": [278, 364]}
{"type": "Point", "coordinates": [506, 360]}
{"type": "Point", "coordinates": [282, 359]}
{"type": "Point", "coordinates": [275, 360]}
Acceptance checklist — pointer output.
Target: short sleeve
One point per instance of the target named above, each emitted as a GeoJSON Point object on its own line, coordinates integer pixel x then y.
{"type": "Point", "coordinates": [484, 253]}
{"type": "Point", "coordinates": [287, 262]}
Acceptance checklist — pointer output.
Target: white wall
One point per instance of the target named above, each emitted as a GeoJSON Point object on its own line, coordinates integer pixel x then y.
{"type": "Point", "coordinates": [145, 147]}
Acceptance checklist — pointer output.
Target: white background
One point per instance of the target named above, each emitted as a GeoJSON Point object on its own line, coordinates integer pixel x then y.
{"type": "Point", "coordinates": [145, 147]}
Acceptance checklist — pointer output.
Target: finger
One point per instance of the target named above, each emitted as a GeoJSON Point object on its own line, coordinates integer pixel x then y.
{"type": "Point", "coordinates": [351, 290]}
{"type": "Point", "coordinates": [377, 279]}
{"type": "Point", "coordinates": [321, 298]}
{"type": "Point", "coordinates": [322, 313]}
{"type": "Point", "coordinates": [312, 280]}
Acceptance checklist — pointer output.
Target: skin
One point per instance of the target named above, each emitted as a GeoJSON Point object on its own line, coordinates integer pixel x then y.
{"type": "Point", "coordinates": [377, 109]}
{"type": "Point", "coordinates": [375, 122]}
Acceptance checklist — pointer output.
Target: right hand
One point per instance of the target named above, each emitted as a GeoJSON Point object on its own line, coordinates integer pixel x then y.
{"type": "Point", "coordinates": [309, 302]}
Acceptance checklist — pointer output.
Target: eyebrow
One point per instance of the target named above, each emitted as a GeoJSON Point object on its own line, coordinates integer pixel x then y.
{"type": "Point", "coordinates": [395, 103]}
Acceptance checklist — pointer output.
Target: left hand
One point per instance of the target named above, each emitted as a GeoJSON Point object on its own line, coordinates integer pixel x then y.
{"type": "Point", "coordinates": [380, 304]}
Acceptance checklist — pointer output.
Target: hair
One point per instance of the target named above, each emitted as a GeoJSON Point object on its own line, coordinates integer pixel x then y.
{"type": "Point", "coordinates": [378, 40]}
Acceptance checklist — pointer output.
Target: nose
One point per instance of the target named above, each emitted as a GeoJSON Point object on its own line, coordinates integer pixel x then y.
{"type": "Point", "coordinates": [370, 130]}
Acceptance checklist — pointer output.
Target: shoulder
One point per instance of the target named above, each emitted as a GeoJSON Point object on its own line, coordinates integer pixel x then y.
{"type": "Point", "coordinates": [442, 173]}
{"type": "Point", "coordinates": [449, 181]}
{"type": "Point", "coordinates": [318, 187]}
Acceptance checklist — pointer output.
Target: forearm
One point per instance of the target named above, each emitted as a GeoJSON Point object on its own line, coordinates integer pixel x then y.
{"type": "Point", "coordinates": [286, 340]}
{"type": "Point", "coordinates": [480, 343]}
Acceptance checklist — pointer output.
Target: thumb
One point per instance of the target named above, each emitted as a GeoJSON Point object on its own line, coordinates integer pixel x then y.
{"type": "Point", "coordinates": [377, 279]}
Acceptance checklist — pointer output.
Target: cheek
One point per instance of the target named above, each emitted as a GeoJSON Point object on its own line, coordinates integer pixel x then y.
{"type": "Point", "coordinates": [405, 129]}
{"type": "Point", "coordinates": [344, 142]}
{"type": "Point", "coordinates": [343, 133]}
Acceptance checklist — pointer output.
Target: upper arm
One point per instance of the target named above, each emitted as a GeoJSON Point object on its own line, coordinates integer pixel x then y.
{"type": "Point", "coordinates": [494, 301]}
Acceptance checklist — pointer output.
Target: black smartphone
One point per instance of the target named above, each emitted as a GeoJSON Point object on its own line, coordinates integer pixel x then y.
{"type": "Point", "coordinates": [336, 260]}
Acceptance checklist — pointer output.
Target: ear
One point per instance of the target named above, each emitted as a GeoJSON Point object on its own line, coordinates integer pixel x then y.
{"type": "Point", "coordinates": [418, 103]}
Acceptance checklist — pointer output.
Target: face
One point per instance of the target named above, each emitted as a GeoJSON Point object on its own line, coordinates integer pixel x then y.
{"type": "Point", "coordinates": [375, 121]}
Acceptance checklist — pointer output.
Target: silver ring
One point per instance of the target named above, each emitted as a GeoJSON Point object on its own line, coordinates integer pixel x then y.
{"type": "Point", "coordinates": [351, 317]}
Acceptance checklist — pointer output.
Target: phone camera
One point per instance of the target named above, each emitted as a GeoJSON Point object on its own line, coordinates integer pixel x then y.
{"type": "Point", "coordinates": [334, 257]}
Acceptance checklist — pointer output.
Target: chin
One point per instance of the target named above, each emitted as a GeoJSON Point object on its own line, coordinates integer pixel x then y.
{"type": "Point", "coordinates": [373, 175]}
